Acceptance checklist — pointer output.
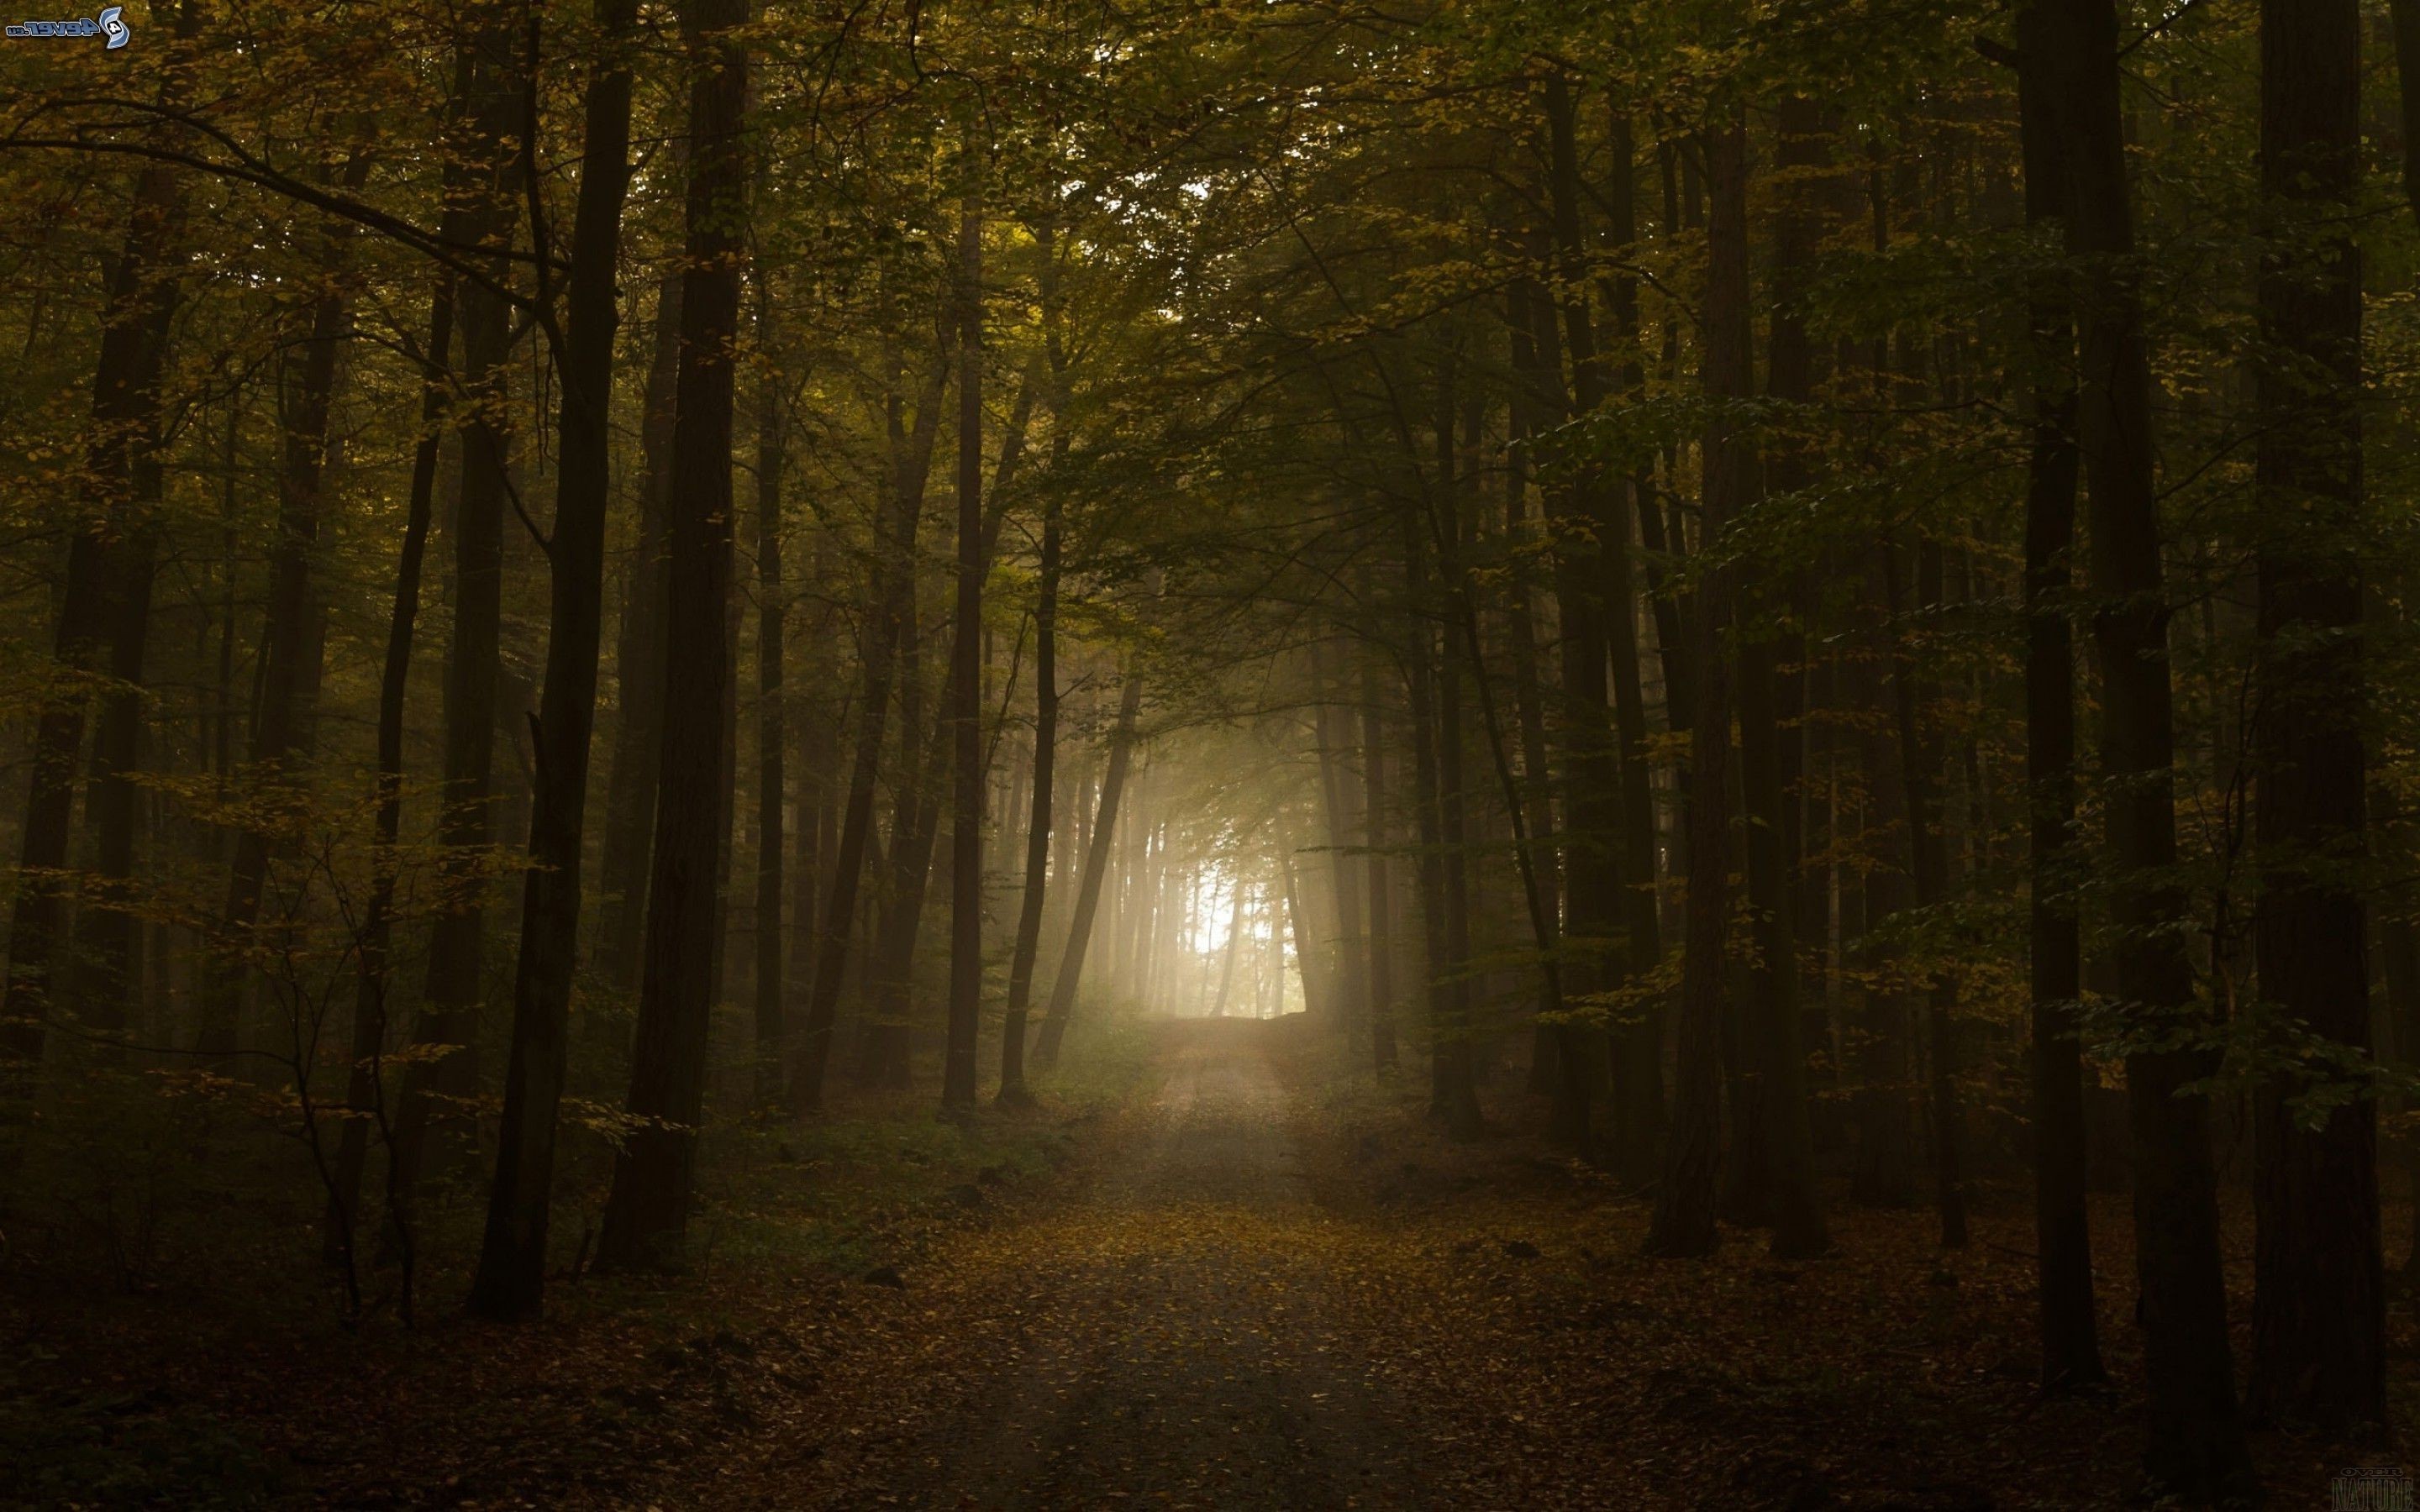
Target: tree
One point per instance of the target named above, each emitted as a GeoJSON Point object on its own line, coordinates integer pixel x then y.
{"type": "Point", "coordinates": [511, 1281]}
{"type": "Point", "coordinates": [1097, 866]}
{"type": "Point", "coordinates": [967, 754]}
{"type": "Point", "coordinates": [2318, 1303]}
{"type": "Point", "coordinates": [1685, 1208]}
{"type": "Point", "coordinates": [2070, 1339]}
{"type": "Point", "coordinates": [2195, 1442]}
{"type": "Point", "coordinates": [646, 1216]}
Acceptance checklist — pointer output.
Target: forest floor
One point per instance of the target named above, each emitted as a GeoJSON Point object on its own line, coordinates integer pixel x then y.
{"type": "Point", "coordinates": [1247, 1279]}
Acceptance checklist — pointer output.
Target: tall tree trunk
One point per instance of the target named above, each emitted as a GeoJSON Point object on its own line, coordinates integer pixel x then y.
{"type": "Point", "coordinates": [1882, 1173]}
{"type": "Point", "coordinates": [1771, 681]}
{"type": "Point", "coordinates": [883, 1050]}
{"type": "Point", "coordinates": [966, 693]}
{"type": "Point", "coordinates": [290, 642]}
{"type": "Point", "coordinates": [2194, 1443]}
{"type": "Point", "coordinates": [1638, 1042]}
{"type": "Point", "coordinates": [1097, 865]}
{"type": "Point", "coordinates": [1380, 933]}
{"type": "Point", "coordinates": [773, 698]}
{"type": "Point", "coordinates": [1585, 573]}
{"type": "Point", "coordinates": [1683, 1224]}
{"type": "Point", "coordinates": [365, 1088]}
{"type": "Point", "coordinates": [914, 826]}
{"type": "Point", "coordinates": [511, 1280]}
{"type": "Point", "coordinates": [647, 1215]}
{"type": "Point", "coordinates": [1037, 836]}
{"type": "Point", "coordinates": [2319, 1301]}
{"type": "Point", "coordinates": [639, 666]}
{"type": "Point", "coordinates": [2071, 1343]}
{"type": "Point", "coordinates": [891, 603]}
{"type": "Point", "coordinates": [1913, 697]}
{"type": "Point", "coordinates": [1453, 1091]}
{"type": "Point", "coordinates": [1344, 881]}
{"type": "Point", "coordinates": [446, 1026]}
{"type": "Point", "coordinates": [1451, 1099]}
{"type": "Point", "coordinates": [142, 305]}
{"type": "Point", "coordinates": [1537, 784]}
{"type": "Point", "coordinates": [1313, 997]}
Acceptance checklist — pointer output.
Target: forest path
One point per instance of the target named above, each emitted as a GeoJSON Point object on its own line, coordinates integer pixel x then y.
{"type": "Point", "coordinates": [1174, 1332]}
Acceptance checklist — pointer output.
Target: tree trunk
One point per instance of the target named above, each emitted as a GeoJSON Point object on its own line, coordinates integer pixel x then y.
{"type": "Point", "coordinates": [1913, 697]}
{"type": "Point", "coordinates": [1380, 933]}
{"type": "Point", "coordinates": [1311, 1004]}
{"type": "Point", "coordinates": [142, 306]}
{"type": "Point", "coordinates": [1882, 1173]}
{"type": "Point", "coordinates": [1038, 837]}
{"type": "Point", "coordinates": [2071, 1343]}
{"type": "Point", "coordinates": [965, 835]}
{"type": "Point", "coordinates": [1587, 575]}
{"type": "Point", "coordinates": [773, 698]}
{"type": "Point", "coordinates": [1345, 883]}
{"type": "Point", "coordinates": [2194, 1444]}
{"type": "Point", "coordinates": [1453, 1091]}
{"type": "Point", "coordinates": [891, 603]}
{"type": "Point", "coordinates": [290, 645]}
{"type": "Point", "coordinates": [639, 666]}
{"type": "Point", "coordinates": [1097, 864]}
{"type": "Point", "coordinates": [1683, 1224]}
{"type": "Point", "coordinates": [511, 1280]}
{"type": "Point", "coordinates": [915, 824]}
{"type": "Point", "coordinates": [1537, 784]}
{"type": "Point", "coordinates": [2319, 1301]}
{"type": "Point", "coordinates": [1771, 684]}
{"type": "Point", "coordinates": [366, 1088]}
{"type": "Point", "coordinates": [446, 1026]}
{"type": "Point", "coordinates": [647, 1215]}
{"type": "Point", "coordinates": [1638, 1042]}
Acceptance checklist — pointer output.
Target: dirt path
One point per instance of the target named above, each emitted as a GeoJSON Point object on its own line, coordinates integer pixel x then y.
{"type": "Point", "coordinates": [1264, 1283]}
{"type": "Point", "coordinates": [1172, 1335]}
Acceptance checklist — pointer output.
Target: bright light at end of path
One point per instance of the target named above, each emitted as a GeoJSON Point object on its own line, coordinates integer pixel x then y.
{"type": "Point", "coordinates": [1214, 912]}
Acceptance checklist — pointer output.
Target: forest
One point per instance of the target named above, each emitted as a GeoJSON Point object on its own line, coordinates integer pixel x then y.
{"type": "Point", "coordinates": [1677, 740]}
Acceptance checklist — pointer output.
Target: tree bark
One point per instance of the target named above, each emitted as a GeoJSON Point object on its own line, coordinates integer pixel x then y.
{"type": "Point", "coordinates": [891, 603]}
{"type": "Point", "coordinates": [446, 1026]}
{"type": "Point", "coordinates": [290, 646]}
{"type": "Point", "coordinates": [1097, 865]}
{"type": "Point", "coordinates": [366, 1086]}
{"type": "Point", "coordinates": [965, 835]}
{"type": "Point", "coordinates": [1038, 837]}
{"type": "Point", "coordinates": [511, 1280]}
{"type": "Point", "coordinates": [1344, 881]}
{"type": "Point", "coordinates": [1585, 580]}
{"type": "Point", "coordinates": [2071, 1343]}
{"type": "Point", "coordinates": [142, 305]}
{"type": "Point", "coordinates": [1771, 682]}
{"type": "Point", "coordinates": [647, 1215]}
{"type": "Point", "coordinates": [1912, 696]}
{"type": "Point", "coordinates": [1683, 1224]}
{"type": "Point", "coordinates": [1380, 933]}
{"type": "Point", "coordinates": [772, 699]}
{"type": "Point", "coordinates": [1638, 1042]}
{"type": "Point", "coordinates": [639, 668]}
{"type": "Point", "coordinates": [1453, 1090]}
{"type": "Point", "coordinates": [2194, 1445]}
{"type": "Point", "coordinates": [2318, 1300]}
